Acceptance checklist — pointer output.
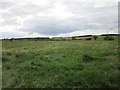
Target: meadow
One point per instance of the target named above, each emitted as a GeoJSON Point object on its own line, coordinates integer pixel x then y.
{"type": "Point", "coordinates": [60, 64]}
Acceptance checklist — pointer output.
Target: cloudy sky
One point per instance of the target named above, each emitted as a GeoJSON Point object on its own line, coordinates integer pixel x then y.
{"type": "Point", "coordinates": [39, 18]}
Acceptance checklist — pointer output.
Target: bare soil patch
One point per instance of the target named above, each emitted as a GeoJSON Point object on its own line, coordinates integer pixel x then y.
{"type": "Point", "coordinates": [14, 50]}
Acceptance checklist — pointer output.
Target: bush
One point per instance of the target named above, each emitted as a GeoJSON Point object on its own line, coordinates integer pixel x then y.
{"type": "Point", "coordinates": [20, 55]}
{"type": "Point", "coordinates": [88, 38]}
{"type": "Point", "coordinates": [108, 38]}
{"type": "Point", "coordinates": [7, 67]}
{"type": "Point", "coordinates": [95, 37]}
{"type": "Point", "coordinates": [87, 57]}
{"type": "Point", "coordinates": [9, 53]}
{"type": "Point", "coordinates": [4, 59]}
{"type": "Point", "coordinates": [73, 38]}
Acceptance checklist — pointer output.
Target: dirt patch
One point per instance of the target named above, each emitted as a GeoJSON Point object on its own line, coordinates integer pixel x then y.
{"type": "Point", "coordinates": [112, 57]}
{"type": "Point", "coordinates": [14, 50]}
{"type": "Point", "coordinates": [6, 50]}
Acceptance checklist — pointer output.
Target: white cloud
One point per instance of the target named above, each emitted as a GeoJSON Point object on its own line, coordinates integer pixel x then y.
{"type": "Point", "coordinates": [60, 12]}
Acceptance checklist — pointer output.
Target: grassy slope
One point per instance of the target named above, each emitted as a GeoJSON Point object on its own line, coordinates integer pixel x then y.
{"type": "Point", "coordinates": [60, 64]}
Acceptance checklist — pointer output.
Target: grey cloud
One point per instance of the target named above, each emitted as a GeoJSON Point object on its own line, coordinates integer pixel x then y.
{"type": "Point", "coordinates": [24, 8]}
{"type": "Point", "coordinates": [105, 17]}
{"type": "Point", "coordinates": [86, 16]}
{"type": "Point", "coordinates": [13, 10]}
{"type": "Point", "coordinates": [9, 22]}
{"type": "Point", "coordinates": [11, 35]}
{"type": "Point", "coordinates": [6, 5]}
{"type": "Point", "coordinates": [29, 9]}
{"type": "Point", "coordinates": [54, 26]}
{"type": "Point", "coordinates": [46, 25]}
{"type": "Point", "coordinates": [9, 19]}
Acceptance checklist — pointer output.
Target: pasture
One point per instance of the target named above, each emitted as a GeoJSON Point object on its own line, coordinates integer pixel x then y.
{"type": "Point", "coordinates": [60, 64]}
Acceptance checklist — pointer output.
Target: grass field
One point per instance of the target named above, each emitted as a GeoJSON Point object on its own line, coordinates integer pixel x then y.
{"type": "Point", "coordinates": [60, 64]}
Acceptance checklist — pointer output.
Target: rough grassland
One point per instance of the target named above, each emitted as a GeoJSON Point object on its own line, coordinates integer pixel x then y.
{"type": "Point", "coordinates": [60, 64]}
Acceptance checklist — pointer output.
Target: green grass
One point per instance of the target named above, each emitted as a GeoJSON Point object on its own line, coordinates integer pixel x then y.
{"type": "Point", "coordinates": [60, 64]}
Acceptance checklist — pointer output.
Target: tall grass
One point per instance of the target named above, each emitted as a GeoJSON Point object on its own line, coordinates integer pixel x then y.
{"type": "Point", "coordinates": [55, 64]}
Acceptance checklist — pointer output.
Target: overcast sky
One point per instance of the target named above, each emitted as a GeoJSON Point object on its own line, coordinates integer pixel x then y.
{"type": "Point", "coordinates": [39, 18]}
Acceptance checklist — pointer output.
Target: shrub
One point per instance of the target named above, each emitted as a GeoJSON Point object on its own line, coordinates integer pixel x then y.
{"type": "Point", "coordinates": [95, 37]}
{"type": "Point", "coordinates": [20, 55]}
{"type": "Point", "coordinates": [4, 59]}
{"type": "Point", "coordinates": [87, 57]}
{"type": "Point", "coordinates": [108, 38]}
{"type": "Point", "coordinates": [88, 38]}
{"type": "Point", "coordinates": [8, 67]}
{"type": "Point", "coordinates": [9, 53]}
{"type": "Point", "coordinates": [73, 38]}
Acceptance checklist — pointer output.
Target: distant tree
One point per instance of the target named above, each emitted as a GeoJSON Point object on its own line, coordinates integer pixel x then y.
{"type": "Point", "coordinates": [95, 37]}
{"type": "Point", "coordinates": [11, 39]}
{"type": "Point", "coordinates": [73, 38]}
